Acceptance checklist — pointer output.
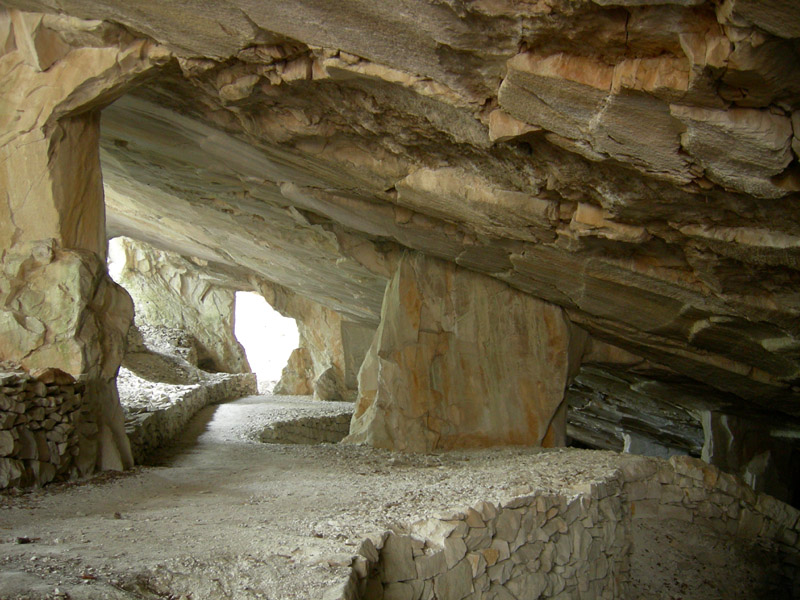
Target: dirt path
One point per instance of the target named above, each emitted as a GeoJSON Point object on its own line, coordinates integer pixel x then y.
{"type": "Point", "coordinates": [223, 516]}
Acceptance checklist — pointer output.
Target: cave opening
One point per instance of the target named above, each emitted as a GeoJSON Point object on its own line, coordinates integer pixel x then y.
{"type": "Point", "coordinates": [268, 338]}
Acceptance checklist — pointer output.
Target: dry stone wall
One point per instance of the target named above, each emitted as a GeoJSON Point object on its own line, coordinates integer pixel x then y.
{"type": "Point", "coordinates": [152, 427]}
{"type": "Point", "coordinates": [323, 429]}
{"type": "Point", "coordinates": [574, 545]}
{"type": "Point", "coordinates": [42, 427]}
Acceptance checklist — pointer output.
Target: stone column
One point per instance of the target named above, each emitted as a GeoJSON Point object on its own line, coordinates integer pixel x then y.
{"type": "Point", "coordinates": [58, 307]}
{"type": "Point", "coordinates": [463, 360]}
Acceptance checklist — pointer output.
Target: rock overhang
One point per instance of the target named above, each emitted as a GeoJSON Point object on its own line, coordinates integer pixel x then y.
{"type": "Point", "coordinates": [507, 140]}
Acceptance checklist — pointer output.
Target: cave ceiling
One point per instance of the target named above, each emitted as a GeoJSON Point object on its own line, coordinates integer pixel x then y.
{"type": "Point", "coordinates": [634, 163]}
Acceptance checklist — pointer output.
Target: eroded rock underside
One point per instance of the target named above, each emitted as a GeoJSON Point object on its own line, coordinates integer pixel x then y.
{"type": "Point", "coordinates": [632, 166]}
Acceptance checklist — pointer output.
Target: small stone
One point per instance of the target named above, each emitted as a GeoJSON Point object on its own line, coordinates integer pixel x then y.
{"type": "Point", "coordinates": [53, 376]}
{"type": "Point", "coordinates": [6, 443]}
{"type": "Point", "coordinates": [454, 550]}
{"type": "Point", "coordinates": [430, 565]}
{"type": "Point", "coordinates": [474, 519]}
{"type": "Point", "coordinates": [398, 591]}
{"type": "Point", "coordinates": [397, 559]}
{"type": "Point", "coordinates": [478, 563]}
{"type": "Point", "coordinates": [528, 585]}
{"type": "Point", "coordinates": [507, 525]}
{"type": "Point", "coordinates": [456, 584]}
{"type": "Point", "coordinates": [490, 555]}
{"type": "Point", "coordinates": [478, 537]}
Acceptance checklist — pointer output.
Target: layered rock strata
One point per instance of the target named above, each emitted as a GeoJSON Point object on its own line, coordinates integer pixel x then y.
{"type": "Point", "coordinates": [463, 360]}
{"type": "Point", "coordinates": [633, 163]}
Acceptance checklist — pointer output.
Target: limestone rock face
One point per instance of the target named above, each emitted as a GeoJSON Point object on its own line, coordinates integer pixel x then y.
{"type": "Point", "coordinates": [331, 348]}
{"type": "Point", "coordinates": [297, 375]}
{"type": "Point", "coordinates": [168, 291]}
{"type": "Point", "coordinates": [462, 360]}
{"type": "Point", "coordinates": [78, 327]}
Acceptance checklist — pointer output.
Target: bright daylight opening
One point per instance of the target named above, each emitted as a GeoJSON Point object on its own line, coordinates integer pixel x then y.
{"type": "Point", "coordinates": [268, 337]}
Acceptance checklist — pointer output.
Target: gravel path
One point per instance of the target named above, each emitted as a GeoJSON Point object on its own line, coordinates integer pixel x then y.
{"type": "Point", "coordinates": [223, 516]}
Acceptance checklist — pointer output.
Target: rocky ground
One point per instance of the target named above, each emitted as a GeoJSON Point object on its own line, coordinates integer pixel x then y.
{"type": "Point", "coordinates": [223, 516]}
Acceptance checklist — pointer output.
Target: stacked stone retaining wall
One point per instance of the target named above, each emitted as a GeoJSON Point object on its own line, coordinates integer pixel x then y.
{"type": "Point", "coordinates": [323, 429]}
{"type": "Point", "coordinates": [152, 429]}
{"type": "Point", "coordinates": [42, 427]}
{"type": "Point", "coordinates": [575, 545]}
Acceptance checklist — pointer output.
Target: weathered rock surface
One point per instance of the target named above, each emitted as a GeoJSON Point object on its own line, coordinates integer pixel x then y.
{"type": "Point", "coordinates": [170, 292]}
{"type": "Point", "coordinates": [463, 360]}
{"type": "Point", "coordinates": [297, 375]}
{"type": "Point", "coordinates": [331, 348]}
{"type": "Point", "coordinates": [77, 326]}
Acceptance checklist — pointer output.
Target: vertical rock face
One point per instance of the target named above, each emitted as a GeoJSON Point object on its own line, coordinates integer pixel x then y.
{"type": "Point", "coordinates": [331, 349]}
{"type": "Point", "coordinates": [77, 326]}
{"type": "Point", "coordinates": [170, 291]}
{"type": "Point", "coordinates": [58, 308]}
{"type": "Point", "coordinates": [462, 360]}
{"type": "Point", "coordinates": [297, 375]}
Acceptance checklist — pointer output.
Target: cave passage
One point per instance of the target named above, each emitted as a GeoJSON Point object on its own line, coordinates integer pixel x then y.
{"type": "Point", "coordinates": [267, 337]}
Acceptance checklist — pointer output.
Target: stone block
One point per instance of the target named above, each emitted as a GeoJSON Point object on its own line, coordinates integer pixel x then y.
{"type": "Point", "coordinates": [455, 584]}
{"type": "Point", "coordinates": [7, 443]}
{"type": "Point", "coordinates": [750, 524]}
{"type": "Point", "coordinates": [478, 537]}
{"type": "Point", "coordinates": [500, 572]}
{"type": "Point", "coordinates": [7, 419]}
{"type": "Point", "coordinates": [563, 549]}
{"type": "Point", "coordinates": [397, 559]}
{"type": "Point", "coordinates": [507, 525]}
{"type": "Point", "coordinates": [28, 448]}
{"type": "Point", "coordinates": [528, 586]}
{"type": "Point", "coordinates": [398, 591]}
{"type": "Point", "coordinates": [11, 471]}
{"type": "Point", "coordinates": [680, 513]}
{"type": "Point", "coordinates": [430, 565]}
{"type": "Point", "coordinates": [454, 551]}
{"type": "Point", "coordinates": [431, 389]}
{"type": "Point", "coordinates": [478, 563]}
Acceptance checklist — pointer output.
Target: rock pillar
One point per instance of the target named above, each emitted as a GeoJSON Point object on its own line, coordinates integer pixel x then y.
{"type": "Point", "coordinates": [463, 360]}
{"type": "Point", "coordinates": [58, 308]}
